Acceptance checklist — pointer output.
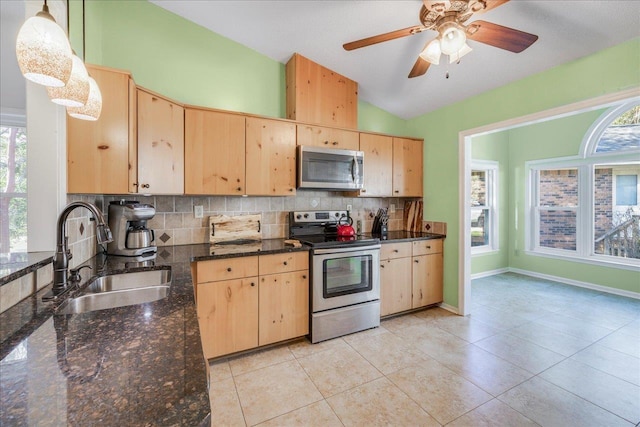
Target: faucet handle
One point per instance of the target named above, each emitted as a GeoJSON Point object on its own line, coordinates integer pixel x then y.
{"type": "Point", "coordinates": [74, 273]}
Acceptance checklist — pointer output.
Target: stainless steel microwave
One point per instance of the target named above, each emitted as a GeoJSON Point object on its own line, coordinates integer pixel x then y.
{"type": "Point", "coordinates": [329, 168]}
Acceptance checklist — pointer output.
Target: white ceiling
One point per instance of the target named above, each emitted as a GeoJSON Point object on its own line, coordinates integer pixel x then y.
{"type": "Point", "coordinates": [317, 29]}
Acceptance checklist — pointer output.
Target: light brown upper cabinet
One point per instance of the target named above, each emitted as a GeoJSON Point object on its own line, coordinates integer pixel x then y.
{"type": "Point", "coordinates": [316, 94]}
{"type": "Point", "coordinates": [319, 136]}
{"type": "Point", "coordinates": [407, 167]}
{"type": "Point", "coordinates": [98, 151]}
{"type": "Point", "coordinates": [378, 165]}
{"type": "Point", "coordinates": [160, 145]}
{"type": "Point", "coordinates": [270, 157]}
{"type": "Point", "coordinates": [214, 152]}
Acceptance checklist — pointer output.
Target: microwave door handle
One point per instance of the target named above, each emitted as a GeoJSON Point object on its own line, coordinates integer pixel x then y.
{"type": "Point", "coordinates": [355, 170]}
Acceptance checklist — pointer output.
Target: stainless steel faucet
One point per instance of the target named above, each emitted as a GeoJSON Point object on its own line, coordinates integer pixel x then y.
{"type": "Point", "coordinates": [63, 254]}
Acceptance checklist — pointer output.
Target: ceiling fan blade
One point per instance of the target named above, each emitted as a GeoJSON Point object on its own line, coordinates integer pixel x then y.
{"type": "Point", "coordinates": [383, 37]}
{"type": "Point", "coordinates": [501, 37]}
{"type": "Point", "coordinates": [491, 4]}
{"type": "Point", "coordinates": [419, 68]}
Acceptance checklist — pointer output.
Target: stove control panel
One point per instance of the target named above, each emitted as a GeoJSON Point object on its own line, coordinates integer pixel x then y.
{"type": "Point", "coordinates": [317, 217]}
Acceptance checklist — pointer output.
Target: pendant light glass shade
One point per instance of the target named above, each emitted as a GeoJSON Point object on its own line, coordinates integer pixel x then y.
{"type": "Point", "coordinates": [432, 52]}
{"type": "Point", "coordinates": [452, 38]}
{"type": "Point", "coordinates": [76, 92]}
{"type": "Point", "coordinates": [92, 109]}
{"type": "Point", "coordinates": [43, 50]}
{"type": "Point", "coordinates": [459, 54]}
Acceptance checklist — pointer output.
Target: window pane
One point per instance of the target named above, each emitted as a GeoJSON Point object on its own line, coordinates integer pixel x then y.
{"type": "Point", "coordinates": [478, 188]}
{"type": "Point", "coordinates": [616, 227]}
{"type": "Point", "coordinates": [480, 227]}
{"type": "Point", "coordinates": [623, 133]}
{"type": "Point", "coordinates": [626, 190]}
{"type": "Point", "coordinates": [13, 189]}
{"type": "Point", "coordinates": [558, 188]}
{"type": "Point", "coordinates": [558, 229]}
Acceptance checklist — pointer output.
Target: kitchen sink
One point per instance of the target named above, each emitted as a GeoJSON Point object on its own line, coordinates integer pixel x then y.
{"type": "Point", "coordinates": [119, 290]}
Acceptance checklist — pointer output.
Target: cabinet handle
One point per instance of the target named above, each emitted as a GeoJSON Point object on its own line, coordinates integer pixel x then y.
{"type": "Point", "coordinates": [229, 269]}
{"type": "Point", "coordinates": [396, 191]}
{"type": "Point", "coordinates": [364, 190]}
{"type": "Point", "coordinates": [381, 266]}
{"type": "Point", "coordinates": [420, 293]}
{"type": "Point", "coordinates": [428, 247]}
{"type": "Point", "coordinates": [145, 186]}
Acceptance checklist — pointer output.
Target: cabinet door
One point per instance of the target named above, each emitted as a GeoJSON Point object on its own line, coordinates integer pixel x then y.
{"type": "Point", "coordinates": [214, 152]}
{"type": "Point", "coordinates": [395, 285]}
{"type": "Point", "coordinates": [407, 167]}
{"type": "Point", "coordinates": [318, 136]}
{"type": "Point", "coordinates": [284, 306]}
{"type": "Point", "coordinates": [98, 151]}
{"type": "Point", "coordinates": [427, 280]}
{"type": "Point", "coordinates": [378, 165]}
{"type": "Point", "coordinates": [160, 145]}
{"type": "Point", "coordinates": [270, 157]}
{"type": "Point", "coordinates": [228, 316]}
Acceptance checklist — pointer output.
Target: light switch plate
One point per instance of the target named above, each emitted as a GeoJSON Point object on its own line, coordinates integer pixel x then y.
{"type": "Point", "coordinates": [349, 208]}
{"type": "Point", "coordinates": [198, 211]}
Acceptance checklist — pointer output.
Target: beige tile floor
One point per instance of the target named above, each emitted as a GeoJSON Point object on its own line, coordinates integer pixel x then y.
{"type": "Point", "coordinates": [532, 352]}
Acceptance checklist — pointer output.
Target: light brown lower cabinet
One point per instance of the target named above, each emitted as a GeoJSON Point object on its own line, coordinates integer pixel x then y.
{"type": "Point", "coordinates": [410, 275]}
{"type": "Point", "coordinates": [247, 302]}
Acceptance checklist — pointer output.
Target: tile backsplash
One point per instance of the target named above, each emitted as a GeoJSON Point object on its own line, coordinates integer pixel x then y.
{"type": "Point", "coordinates": [175, 224]}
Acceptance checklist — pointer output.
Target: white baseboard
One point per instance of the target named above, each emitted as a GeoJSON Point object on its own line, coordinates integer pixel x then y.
{"type": "Point", "coordinates": [606, 289]}
{"type": "Point", "coordinates": [490, 273]}
{"type": "Point", "coordinates": [448, 307]}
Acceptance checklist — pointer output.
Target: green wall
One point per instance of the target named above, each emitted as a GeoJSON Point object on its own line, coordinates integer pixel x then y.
{"type": "Point", "coordinates": [607, 71]}
{"type": "Point", "coordinates": [495, 146]}
{"type": "Point", "coordinates": [186, 62]}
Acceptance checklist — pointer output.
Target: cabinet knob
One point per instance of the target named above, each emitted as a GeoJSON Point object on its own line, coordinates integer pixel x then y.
{"type": "Point", "coordinates": [326, 143]}
{"type": "Point", "coordinates": [145, 186]}
{"type": "Point", "coordinates": [304, 276]}
{"type": "Point", "coordinates": [335, 142]}
{"type": "Point", "coordinates": [416, 261]}
{"type": "Point", "coordinates": [396, 191]}
{"type": "Point", "coordinates": [364, 190]}
{"type": "Point", "coordinates": [395, 250]}
{"type": "Point", "coordinates": [253, 284]}
{"type": "Point", "coordinates": [229, 269]}
{"type": "Point", "coordinates": [239, 188]}
{"type": "Point", "coordinates": [285, 263]}
{"type": "Point", "coordinates": [428, 247]}
{"type": "Point", "coordinates": [291, 189]}
{"type": "Point", "coordinates": [381, 265]}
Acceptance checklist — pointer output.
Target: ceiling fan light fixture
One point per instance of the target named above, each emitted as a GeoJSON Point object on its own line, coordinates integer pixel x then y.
{"type": "Point", "coordinates": [432, 52]}
{"type": "Point", "coordinates": [43, 50]}
{"type": "Point", "coordinates": [92, 109]}
{"type": "Point", "coordinates": [459, 54]}
{"type": "Point", "coordinates": [76, 92]}
{"type": "Point", "coordinates": [452, 37]}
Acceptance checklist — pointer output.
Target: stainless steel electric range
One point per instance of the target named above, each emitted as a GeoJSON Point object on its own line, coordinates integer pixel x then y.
{"type": "Point", "coordinates": [345, 275]}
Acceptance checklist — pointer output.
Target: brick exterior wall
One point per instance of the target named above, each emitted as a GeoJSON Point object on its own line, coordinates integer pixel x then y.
{"type": "Point", "coordinates": [558, 228]}
{"type": "Point", "coordinates": [603, 206]}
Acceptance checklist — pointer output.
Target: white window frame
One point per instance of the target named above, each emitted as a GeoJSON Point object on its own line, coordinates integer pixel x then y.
{"type": "Point", "coordinates": [585, 163]}
{"type": "Point", "coordinates": [491, 168]}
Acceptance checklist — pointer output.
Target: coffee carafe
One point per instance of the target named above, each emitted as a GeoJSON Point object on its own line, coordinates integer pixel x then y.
{"type": "Point", "coordinates": [128, 222]}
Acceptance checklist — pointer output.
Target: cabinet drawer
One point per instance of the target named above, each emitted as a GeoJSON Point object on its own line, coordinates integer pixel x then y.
{"type": "Point", "coordinates": [281, 263]}
{"type": "Point", "coordinates": [395, 250]}
{"type": "Point", "coordinates": [319, 136]}
{"type": "Point", "coordinates": [426, 247]}
{"type": "Point", "coordinates": [225, 269]}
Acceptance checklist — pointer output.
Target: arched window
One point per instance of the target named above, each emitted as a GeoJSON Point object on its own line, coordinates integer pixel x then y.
{"type": "Point", "coordinates": [589, 207]}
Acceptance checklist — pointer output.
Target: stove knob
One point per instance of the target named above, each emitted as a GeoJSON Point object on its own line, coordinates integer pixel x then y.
{"type": "Point", "coordinates": [342, 216]}
{"type": "Point", "coordinates": [337, 214]}
{"type": "Point", "coordinates": [306, 215]}
{"type": "Point", "coordinates": [298, 216]}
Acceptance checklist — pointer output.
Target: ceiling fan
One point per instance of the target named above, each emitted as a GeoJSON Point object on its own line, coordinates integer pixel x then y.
{"type": "Point", "coordinates": [447, 17]}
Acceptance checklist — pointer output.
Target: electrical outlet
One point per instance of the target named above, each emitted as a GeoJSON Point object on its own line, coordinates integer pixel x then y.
{"type": "Point", "coordinates": [349, 208]}
{"type": "Point", "coordinates": [198, 211]}
{"type": "Point", "coordinates": [392, 208]}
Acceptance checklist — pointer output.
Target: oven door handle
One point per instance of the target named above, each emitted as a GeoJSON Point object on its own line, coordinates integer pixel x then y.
{"type": "Point", "coordinates": [344, 250]}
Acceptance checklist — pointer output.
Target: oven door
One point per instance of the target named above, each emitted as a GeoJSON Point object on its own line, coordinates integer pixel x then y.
{"type": "Point", "coordinates": [344, 276]}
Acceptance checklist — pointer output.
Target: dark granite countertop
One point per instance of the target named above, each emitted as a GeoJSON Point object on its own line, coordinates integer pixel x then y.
{"type": "Point", "coordinates": [15, 265]}
{"type": "Point", "coordinates": [264, 247]}
{"type": "Point", "coordinates": [395, 236]}
{"type": "Point", "coordinates": [138, 365]}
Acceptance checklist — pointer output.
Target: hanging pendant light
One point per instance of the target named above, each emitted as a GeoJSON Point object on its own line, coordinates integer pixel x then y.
{"type": "Point", "coordinates": [459, 54]}
{"type": "Point", "coordinates": [76, 92]}
{"type": "Point", "coordinates": [43, 50]}
{"type": "Point", "coordinates": [92, 109]}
